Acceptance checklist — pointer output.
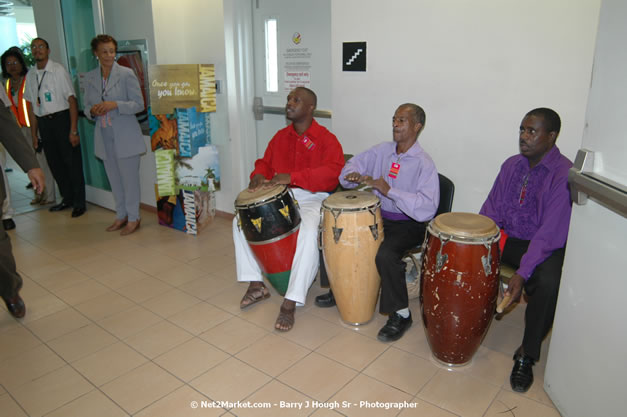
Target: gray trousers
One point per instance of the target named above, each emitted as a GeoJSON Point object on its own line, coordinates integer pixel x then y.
{"type": "Point", "coordinates": [123, 174]}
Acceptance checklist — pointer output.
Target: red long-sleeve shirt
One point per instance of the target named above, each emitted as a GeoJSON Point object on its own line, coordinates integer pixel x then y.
{"type": "Point", "coordinates": [314, 159]}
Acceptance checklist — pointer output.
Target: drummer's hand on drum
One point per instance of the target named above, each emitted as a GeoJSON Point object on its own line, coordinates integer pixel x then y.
{"type": "Point", "coordinates": [285, 179]}
{"type": "Point", "coordinates": [354, 177]}
{"type": "Point", "coordinates": [378, 184]}
{"type": "Point", "coordinates": [514, 289]}
{"type": "Point", "coordinates": [256, 182]}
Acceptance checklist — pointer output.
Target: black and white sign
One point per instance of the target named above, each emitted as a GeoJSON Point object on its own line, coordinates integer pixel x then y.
{"type": "Point", "coordinates": [354, 56]}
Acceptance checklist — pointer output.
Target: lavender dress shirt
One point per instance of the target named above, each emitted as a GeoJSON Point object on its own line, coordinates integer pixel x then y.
{"type": "Point", "coordinates": [543, 215]}
{"type": "Point", "coordinates": [414, 193]}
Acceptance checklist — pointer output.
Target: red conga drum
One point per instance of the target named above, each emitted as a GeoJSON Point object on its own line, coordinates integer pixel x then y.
{"type": "Point", "coordinates": [270, 221]}
{"type": "Point", "coordinates": [459, 284]}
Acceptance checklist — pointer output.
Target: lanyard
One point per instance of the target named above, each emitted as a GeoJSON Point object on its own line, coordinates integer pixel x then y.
{"type": "Point", "coordinates": [104, 84]}
{"type": "Point", "coordinates": [39, 87]}
{"type": "Point", "coordinates": [395, 167]}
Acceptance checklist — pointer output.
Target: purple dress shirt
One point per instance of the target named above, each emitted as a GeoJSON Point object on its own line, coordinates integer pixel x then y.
{"type": "Point", "coordinates": [414, 193]}
{"type": "Point", "coordinates": [532, 204]}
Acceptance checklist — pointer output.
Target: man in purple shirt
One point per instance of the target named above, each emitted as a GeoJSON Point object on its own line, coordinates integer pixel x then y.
{"type": "Point", "coordinates": [531, 202]}
{"type": "Point", "coordinates": [404, 177]}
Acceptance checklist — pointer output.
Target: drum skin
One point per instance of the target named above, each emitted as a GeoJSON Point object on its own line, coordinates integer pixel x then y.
{"type": "Point", "coordinates": [458, 301]}
{"type": "Point", "coordinates": [270, 224]}
{"type": "Point", "coordinates": [350, 261]}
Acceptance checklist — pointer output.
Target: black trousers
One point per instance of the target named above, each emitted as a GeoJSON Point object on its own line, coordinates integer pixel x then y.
{"type": "Point", "coordinates": [542, 289]}
{"type": "Point", "coordinates": [400, 236]}
{"type": "Point", "coordinates": [65, 161]}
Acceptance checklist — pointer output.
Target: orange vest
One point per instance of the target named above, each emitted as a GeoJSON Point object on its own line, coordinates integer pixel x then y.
{"type": "Point", "coordinates": [21, 111]}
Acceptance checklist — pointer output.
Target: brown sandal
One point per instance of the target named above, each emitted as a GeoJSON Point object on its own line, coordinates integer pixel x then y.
{"type": "Point", "coordinates": [285, 321]}
{"type": "Point", "coordinates": [254, 295]}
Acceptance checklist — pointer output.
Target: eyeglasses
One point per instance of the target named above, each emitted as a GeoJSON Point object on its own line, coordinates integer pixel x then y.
{"type": "Point", "coordinates": [12, 63]}
{"type": "Point", "coordinates": [40, 46]}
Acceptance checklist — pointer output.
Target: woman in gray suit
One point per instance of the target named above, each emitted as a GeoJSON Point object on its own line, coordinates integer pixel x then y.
{"type": "Point", "coordinates": [112, 97]}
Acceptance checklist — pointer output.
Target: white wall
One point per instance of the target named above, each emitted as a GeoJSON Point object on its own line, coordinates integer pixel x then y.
{"type": "Point", "coordinates": [125, 20]}
{"type": "Point", "coordinates": [585, 370]}
{"type": "Point", "coordinates": [192, 32]}
{"type": "Point", "coordinates": [50, 27]}
{"type": "Point", "coordinates": [475, 67]}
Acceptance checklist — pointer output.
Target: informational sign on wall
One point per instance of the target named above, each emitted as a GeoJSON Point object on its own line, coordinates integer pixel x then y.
{"type": "Point", "coordinates": [295, 79]}
{"type": "Point", "coordinates": [296, 64]}
{"type": "Point", "coordinates": [182, 86]}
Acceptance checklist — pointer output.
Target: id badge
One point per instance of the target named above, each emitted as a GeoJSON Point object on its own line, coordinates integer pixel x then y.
{"type": "Point", "coordinates": [48, 96]}
{"type": "Point", "coordinates": [308, 143]}
{"type": "Point", "coordinates": [394, 169]}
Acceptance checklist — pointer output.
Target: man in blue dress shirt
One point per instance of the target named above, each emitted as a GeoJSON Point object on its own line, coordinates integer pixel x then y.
{"type": "Point", "coordinates": [405, 179]}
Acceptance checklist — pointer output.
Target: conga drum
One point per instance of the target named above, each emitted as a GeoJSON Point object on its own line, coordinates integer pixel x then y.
{"type": "Point", "coordinates": [459, 284]}
{"type": "Point", "coordinates": [270, 221]}
{"type": "Point", "coordinates": [351, 231]}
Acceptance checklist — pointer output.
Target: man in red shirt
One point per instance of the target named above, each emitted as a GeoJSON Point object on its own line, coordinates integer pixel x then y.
{"type": "Point", "coordinates": [308, 158]}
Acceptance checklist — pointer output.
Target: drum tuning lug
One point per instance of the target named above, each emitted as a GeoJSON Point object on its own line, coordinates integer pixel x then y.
{"type": "Point", "coordinates": [375, 231]}
{"type": "Point", "coordinates": [337, 232]}
{"type": "Point", "coordinates": [487, 264]}
{"type": "Point", "coordinates": [440, 260]}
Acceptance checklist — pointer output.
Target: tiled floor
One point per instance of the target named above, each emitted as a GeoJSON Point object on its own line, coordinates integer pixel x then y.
{"type": "Point", "coordinates": [148, 324]}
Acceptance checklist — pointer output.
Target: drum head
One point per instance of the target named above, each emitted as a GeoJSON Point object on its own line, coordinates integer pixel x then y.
{"type": "Point", "coordinates": [246, 198]}
{"type": "Point", "coordinates": [465, 225]}
{"type": "Point", "coordinates": [350, 200]}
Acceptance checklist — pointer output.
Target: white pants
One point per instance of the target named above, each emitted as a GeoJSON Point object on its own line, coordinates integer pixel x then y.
{"type": "Point", "coordinates": [306, 259]}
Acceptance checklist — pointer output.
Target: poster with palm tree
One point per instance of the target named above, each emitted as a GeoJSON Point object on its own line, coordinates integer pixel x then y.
{"type": "Point", "coordinates": [188, 169]}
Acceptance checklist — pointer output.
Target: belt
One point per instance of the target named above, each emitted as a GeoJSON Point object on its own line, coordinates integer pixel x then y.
{"type": "Point", "coordinates": [53, 115]}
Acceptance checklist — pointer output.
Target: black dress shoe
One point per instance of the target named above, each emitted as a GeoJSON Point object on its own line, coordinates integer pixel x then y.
{"type": "Point", "coordinates": [8, 224]}
{"type": "Point", "coordinates": [79, 211]}
{"type": "Point", "coordinates": [60, 206]}
{"type": "Point", "coordinates": [394, 328]}
{"type": "Point", "coordinates": [325, 300]}
{"type": "Point", "coordinates": [522, 373]}
{"type": "Point", "coordinates": [16, 306]}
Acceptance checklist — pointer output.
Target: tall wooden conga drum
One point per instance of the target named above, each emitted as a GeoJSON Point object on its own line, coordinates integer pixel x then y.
{"type": "Point", "coordinates": [351, 233]}
{"type": "Point", "coordinates": [270, 221]}
{"type": "Point", "coordinates": [459, 284]}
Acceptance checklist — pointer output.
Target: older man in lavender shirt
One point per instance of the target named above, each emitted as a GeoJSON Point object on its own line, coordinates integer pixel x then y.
{"type": "Point", "coordinates": [530, 201]}
{"type": "Point", "coordinates": [404, 177]}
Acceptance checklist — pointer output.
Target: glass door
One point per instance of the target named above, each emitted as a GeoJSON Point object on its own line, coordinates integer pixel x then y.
{"type": "Point", "coordinates": [78, 25]}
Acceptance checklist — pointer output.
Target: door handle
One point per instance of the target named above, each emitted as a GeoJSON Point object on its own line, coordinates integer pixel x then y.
{"type": "Point", "coordinates": [259, 109]}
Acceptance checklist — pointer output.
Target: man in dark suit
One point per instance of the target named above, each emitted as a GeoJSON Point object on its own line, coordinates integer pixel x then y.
{"type": "Point", "coordinates": [11, 138]}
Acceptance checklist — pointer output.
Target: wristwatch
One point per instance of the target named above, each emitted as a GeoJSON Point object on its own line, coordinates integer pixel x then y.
{"type": "Point", "coordinates": [74, 132]}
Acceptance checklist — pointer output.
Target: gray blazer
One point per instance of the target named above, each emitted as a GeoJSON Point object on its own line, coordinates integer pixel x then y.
{"type": "Point", "coordinates": [122, 88]}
